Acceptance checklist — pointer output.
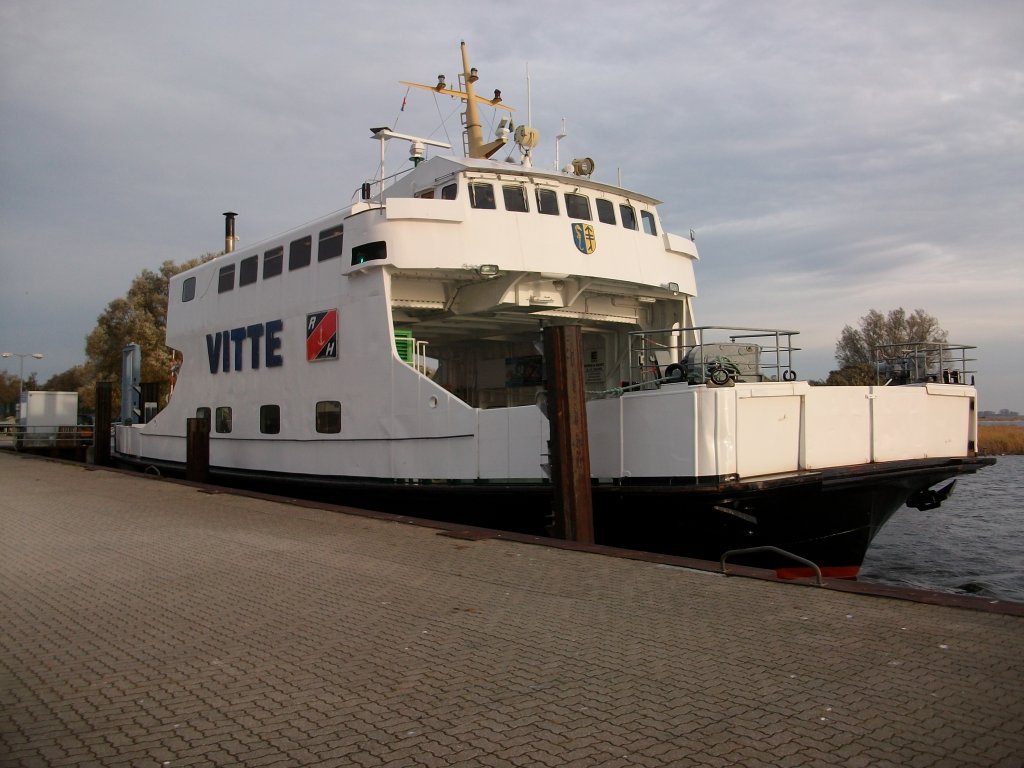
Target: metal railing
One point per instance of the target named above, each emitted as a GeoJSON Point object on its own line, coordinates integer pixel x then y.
{"type": "Point", "coordinates": [754, 550]}
{"type": "Point", "coordinates": [918, 362]}
{"type": "Point", "coordinates": [710, 354]}
{"type": "Point", "coordinates": [44, 436]}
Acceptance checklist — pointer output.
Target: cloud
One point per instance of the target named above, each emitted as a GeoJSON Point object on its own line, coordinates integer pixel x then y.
{"type": "Point", "coordinates": [832, 158]}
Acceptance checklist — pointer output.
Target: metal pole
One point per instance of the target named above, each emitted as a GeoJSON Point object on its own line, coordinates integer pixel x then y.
{"type": "Point", "coordinates": [21, 369]}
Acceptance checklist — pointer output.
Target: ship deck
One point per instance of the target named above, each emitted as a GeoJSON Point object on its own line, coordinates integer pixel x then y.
{"type": "Point", "coordinates": [153, 622]}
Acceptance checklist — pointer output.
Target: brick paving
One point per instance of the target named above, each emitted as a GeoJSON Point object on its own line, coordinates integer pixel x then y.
{"type": "Point", "coordinates": [151, 623]}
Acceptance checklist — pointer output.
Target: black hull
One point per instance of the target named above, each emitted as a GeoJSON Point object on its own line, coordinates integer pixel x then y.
{"type": "Point", "coordinates": [828, 517]}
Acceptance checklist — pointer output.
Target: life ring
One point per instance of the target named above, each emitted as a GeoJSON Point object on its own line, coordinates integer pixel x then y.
{"type": "Point", "coordinates": [789, 375]}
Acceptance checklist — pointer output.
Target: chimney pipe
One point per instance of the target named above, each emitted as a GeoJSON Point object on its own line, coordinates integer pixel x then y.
{"type": "Point", "coordinates": [229, 231]}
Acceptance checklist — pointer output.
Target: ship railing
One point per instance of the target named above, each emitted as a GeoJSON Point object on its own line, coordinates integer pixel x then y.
{"type": "Point", "coordinates": [709, 354]}
{"type": "Point", "coordinates": [919, 362]}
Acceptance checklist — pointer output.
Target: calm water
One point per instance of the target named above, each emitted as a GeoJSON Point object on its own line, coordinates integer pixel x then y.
{"type": "Point", "coordinates": [972, 544]}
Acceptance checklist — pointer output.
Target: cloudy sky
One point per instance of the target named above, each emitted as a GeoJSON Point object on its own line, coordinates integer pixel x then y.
{"type": "Point", "coordinates": [832, 157]}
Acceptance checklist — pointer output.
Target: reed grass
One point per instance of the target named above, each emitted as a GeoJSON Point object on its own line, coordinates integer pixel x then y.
{"type": "Point", "coordinates": [995, 439]}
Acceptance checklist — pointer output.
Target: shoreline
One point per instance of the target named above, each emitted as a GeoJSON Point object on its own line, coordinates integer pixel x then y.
{"type": "Point", "coordinates": [999, 439]}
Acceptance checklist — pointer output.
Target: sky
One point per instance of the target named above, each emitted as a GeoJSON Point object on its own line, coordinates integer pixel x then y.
{"type": "Point", "coordinates": [831, 157]}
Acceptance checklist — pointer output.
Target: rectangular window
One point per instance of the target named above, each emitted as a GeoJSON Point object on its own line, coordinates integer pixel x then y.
{"type": "Point", "coordinates": [628, 216]}
{"type": "Point", "coordinates": [270, 419]}
{"type": "Point", "coordinates": [273, 262]}
{"type": "Point", "coordinates": [605, 211]}
{"type": "Point", "coordinates": [223, 420]}
{"type": "Point", "coordinates": [547, 202]}
{"type": "Point", "coordinates": [577, 206]}
{"type": "Point", "coordinates": [226, 282]}
{"type": "Point", "coordinates": [188, 289]}
{"type": "Point", "coordinates": [369, 252]}
{"type": "Point", "coordinates": [515, 198]}
{"type": "Point", "coordinates": [331, 243]}
{"type": "Point", "coordinates": [648, 219]}
{"type": "Point", "coordinates": [248, 270]}
{"type": "Point", "coordinates": [299, 252]}
{"type": "Point", "coordinates": [328, 416]}
{"type": "Point", "coordinates": [449, 191]}
{"type": "Point", "coordinates": [481, 195]}
{"type": "Point", "coordinates": [203, 413]}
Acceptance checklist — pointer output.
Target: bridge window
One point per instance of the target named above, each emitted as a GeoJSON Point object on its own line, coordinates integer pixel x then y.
{"type": "Point", "coordinates": [222, 423]}
{"type": "Point", "coordinates": [270, 419]}
{"type": "Point", "coordinates": [605, 211]}
{"type": "Point", "coordinates": [547, 202]}
{"type": "Point", "coordinates": [299, 253]}
{"type": "Point", "coordinates": [628, 216]}
{"type": "Point", "coordinates": [481, 195]}
{"type": "Point", "coordinates": [188, 289]}
{"type": "Point", "coordinates": [515, 198]}
{"type": "Point", "coordinates": [648, 219]}
{"type": "Point", "coordinates": [226, 281]}
{"type": "Point", "coordinates": [331, 243]}
{"type": "Point", "coordinates": [273, 261]}
{"type": "Point", "coordinates": [248, 270]}
{"type": "Point", "coordinates": [577, 206]}
{"type": "Point", "coordinates": [328, 416]}
{"type": "Point", "coordinates": [449, 191]}
{"type": "Point", "coordinates": [369, 252]}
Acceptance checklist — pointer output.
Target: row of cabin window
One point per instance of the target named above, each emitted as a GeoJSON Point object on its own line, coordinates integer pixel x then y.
{"type": "Point", "coordinates": [577, 206]}
{"type": "Point", "coordinates": [300, 254]}
{"type": "Point", "coordinates": [328, 418]}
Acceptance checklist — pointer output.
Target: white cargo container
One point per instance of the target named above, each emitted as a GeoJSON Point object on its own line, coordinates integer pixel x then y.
{"type": "Point", "coordinates": [42, 415]}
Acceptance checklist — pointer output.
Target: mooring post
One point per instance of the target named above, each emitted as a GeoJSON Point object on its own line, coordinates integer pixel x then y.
{"type": "Point", "coordinates": [101, 426]}
{"type": "Point", "coordinates": [197, 450]}
{"type": "Point", "coordinates": [568, 446]}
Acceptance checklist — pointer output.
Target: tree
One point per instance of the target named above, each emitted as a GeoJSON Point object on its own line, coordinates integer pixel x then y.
{"type": "Point", "coordinates": [855, 349]}
{"type": "Point", "coordinates": [8, 393]}
{"type": "Point", "coordinates": [78, 379]}
{"type": "Point", "coordinates": [138, 318]}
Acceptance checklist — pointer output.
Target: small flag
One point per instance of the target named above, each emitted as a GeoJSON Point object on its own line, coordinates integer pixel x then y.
{"type": "Point", "coordinates": [403, 105]}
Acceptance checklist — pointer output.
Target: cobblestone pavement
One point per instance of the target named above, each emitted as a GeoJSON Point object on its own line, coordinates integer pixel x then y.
{"type": "Point", "coordinates": [151, 623]}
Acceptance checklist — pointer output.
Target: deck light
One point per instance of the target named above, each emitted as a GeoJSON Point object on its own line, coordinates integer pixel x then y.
{"type": "Point", "coordinates": [440, 82]}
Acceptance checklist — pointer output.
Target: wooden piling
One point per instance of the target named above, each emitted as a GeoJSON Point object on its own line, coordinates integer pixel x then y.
{"type": "Point", "coordinates": [568, 445]}
{"type": "Point", "coordinates": [101, 427]}
{"type": "Point", "coordinates": [197, 450]}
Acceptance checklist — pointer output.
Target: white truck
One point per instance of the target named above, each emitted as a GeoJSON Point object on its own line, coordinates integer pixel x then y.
{"type": "Point", "coordinates": [47, 420]}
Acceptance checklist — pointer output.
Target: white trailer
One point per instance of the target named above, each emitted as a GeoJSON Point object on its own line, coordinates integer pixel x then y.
{"type": "Point", "coordinates": [43, 416]}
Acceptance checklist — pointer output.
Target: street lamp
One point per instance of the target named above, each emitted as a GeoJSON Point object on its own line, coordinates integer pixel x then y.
{"type": "Point", "coordinates": [21, 373]}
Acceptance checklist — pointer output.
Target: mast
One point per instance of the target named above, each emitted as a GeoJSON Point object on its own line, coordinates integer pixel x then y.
{"type": "Point", "coordinates": [474, 132]}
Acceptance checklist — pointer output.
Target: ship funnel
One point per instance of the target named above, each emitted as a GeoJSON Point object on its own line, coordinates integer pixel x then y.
{"type": "Point", "coordinates": [229, 231]}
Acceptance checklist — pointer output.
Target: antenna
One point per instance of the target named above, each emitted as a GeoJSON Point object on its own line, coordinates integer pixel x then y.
{"type": "Point", "coordinates": [529, 97]}
{"type": "Point", "coordinates": [558, 138]}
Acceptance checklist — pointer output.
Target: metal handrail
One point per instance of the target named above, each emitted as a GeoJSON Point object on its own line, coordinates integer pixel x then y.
{"type": "Point", "coordinates": [774, 363]}
{"type": "Point", "coordinates": [776, 550]}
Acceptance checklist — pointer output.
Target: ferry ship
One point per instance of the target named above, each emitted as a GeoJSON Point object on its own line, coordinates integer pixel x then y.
{"type": "Point", "coordinates": [393, 353]}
